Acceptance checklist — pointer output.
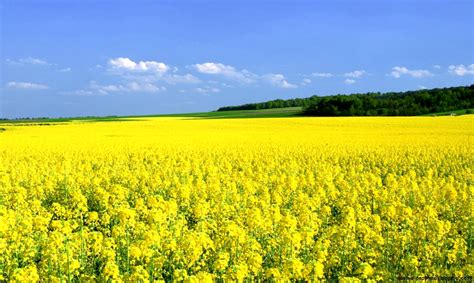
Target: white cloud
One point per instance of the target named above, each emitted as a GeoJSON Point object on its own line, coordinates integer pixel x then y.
{"type": "Point", "coordinates": [350, 81]}
{"type": "Point", "coordinates": [214, 68]}
{"type": "Point", "coordinates": [144, 87]}
{"type": "Point", "coordinates": [422, 87]}
{"type": "Point", "coordinates": [229, 72]}
{"type": "Point", "coordinates": [98, 89]}
{"type": "Point", "coordinates": [322, 75]}
{"type": "Point", "coordinates": [125, 64]}
{"type": "Point", "coordinates": [355, 74]}
{"type": "Point", "coordinates": [437, 67]}
{"type": "Point", "coordinates": [148, 72]}
{"type": "Point", "coordinates": [305, 82]}
{"type": "Point", "coordinates": [26, 85]}
{"type": "Point", "coordinates": [64, 70]}
{"type": "Point", "coordinates": [28, 61]}
{"type": "Point", "coordinates": [106, 89]}
{"type": "Point", "coordinates": [80, 92]}
{"type": "Point", "coordinates": [397, 72]}
{"type": "Point", "coordinates": [461, 70]}
{"type": "Point", "coordinates": [222, 84]}
{"type": "Point", "coordinates": [33, 61]}
{"type": "Point", "coordinates": [175, 79]}
{"type": "Point", "coordinates": [206, 90]}
{"type": "Point", "coordinates": [279, 80]}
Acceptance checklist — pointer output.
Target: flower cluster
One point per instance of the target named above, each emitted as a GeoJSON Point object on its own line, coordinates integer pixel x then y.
{"type": "Point", "coordinates": [245, 199]}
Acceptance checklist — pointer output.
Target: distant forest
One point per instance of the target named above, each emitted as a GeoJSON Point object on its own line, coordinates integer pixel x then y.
{"type": "Point", "coordinates": [406, 103]}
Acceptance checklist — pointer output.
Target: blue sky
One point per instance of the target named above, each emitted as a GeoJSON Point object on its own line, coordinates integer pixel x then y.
{"type": "Point", "coordinates": [79, 58]}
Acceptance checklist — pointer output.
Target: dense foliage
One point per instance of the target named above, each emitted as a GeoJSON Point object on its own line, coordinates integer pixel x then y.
{"type": "Point", "coordinates": [371, 104]}
{"type": "Point", "coordinates": [278, 200]}
{"type": "Point", "coordinates": [277, 103]}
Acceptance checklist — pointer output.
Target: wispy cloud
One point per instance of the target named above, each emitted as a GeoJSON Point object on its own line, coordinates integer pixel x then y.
{"type": "Point", "coordinates": [222, 84]}
{"type": "Point", "coordinates": [106, 89]}
{"type": "Point", "coordinates": [177, 79]}
{"type": "Point", "coordinates": [350, 81]}
{"type": "Point", "coordinates": [461, 70]}
{"type": "Point", "coordinates": [279, 80]}
{"type": "Point", "coordinates": [129, 87]}
{"type": "Point", "coordinates": [207, 90]}
{"type": "Point", "coordinates": [26, 86]}
{"type": "Point", "coordinates": [355, 74]}
{"type": "Point", "coordinates": [64, 70]}
{"type": "Point", "coordinates": [322, 75]}
{"type": "Point", "coordinates": [80, 92]}
{"type": "Point", "coordinates": [227, 71]}
{"type": "Point", "coordinates": [28, 61]}
{"type": "Point", "coordinates": [144, 87]}
{"type": "Point", "coordinates": [305, 82]}
{"type": "Point", "coordinates": [243, 76]}
{"type": "Point", "coordinates": [397, 72]}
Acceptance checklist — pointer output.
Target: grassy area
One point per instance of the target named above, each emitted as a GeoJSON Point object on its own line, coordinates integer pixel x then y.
{"type": "Point", "coordinates": [456, 112]}
{"type": "Point", "coordinates": [263, 113]}
{"type": "Point", "coordinates": [49, 121]}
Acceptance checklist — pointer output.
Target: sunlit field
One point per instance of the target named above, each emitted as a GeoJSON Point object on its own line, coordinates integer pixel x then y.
{"type": "Point", "coordinates": [234, 199]}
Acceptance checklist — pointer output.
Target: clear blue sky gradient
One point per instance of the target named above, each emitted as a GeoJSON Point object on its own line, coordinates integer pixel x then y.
{"type": "Point", "coordinates": [55, 55]}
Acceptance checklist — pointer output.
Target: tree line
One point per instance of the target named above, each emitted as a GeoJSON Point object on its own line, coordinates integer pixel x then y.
{"type": "Point", "coordinates": [406, 103]}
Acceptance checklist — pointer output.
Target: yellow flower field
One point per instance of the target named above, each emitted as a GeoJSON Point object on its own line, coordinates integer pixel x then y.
{"type": "Point", "coordinates": [234, 199]}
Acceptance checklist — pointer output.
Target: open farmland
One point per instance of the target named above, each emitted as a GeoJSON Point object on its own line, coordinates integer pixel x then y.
{"type": "Point", "coordinates": [207, 199]}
